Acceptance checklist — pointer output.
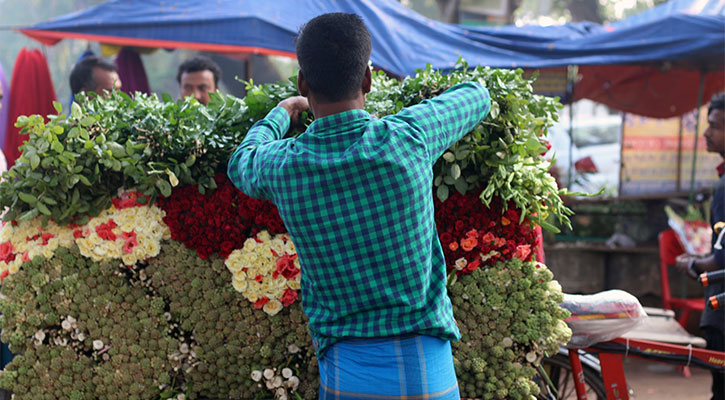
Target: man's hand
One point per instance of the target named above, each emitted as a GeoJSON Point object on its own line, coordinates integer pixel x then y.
{"type": "Point", "coordinates": [685, 264]}
{"type": "Point", "coordinates": [294, 106]}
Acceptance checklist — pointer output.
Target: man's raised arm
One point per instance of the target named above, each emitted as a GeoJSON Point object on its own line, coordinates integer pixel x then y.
{"type": "Point", "coordinates": [443, 120]}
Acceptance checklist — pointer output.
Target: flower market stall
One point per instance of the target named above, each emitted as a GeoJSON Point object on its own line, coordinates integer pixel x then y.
{"type": "Point", "coordinates": [133, 269]}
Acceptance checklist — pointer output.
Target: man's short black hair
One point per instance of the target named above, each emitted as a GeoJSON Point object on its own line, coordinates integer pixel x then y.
{"type": "Point", "coordinates": [717, 102]}
{"type": "Point", "coordinates": [82, 79]}
{"type": "Point", "coordinates": [200, 63]}
{"type": "Point", "coordinates": [333, 51]}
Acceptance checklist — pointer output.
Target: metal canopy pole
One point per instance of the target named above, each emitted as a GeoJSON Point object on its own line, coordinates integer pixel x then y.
{"type": "Point", "coordinates": [570, 89]}
{"type": "Point", "coordinates": [700, 91]}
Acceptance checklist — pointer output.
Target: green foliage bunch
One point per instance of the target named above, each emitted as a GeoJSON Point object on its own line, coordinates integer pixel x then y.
{"type": "Point", "coordinates": [73, 164]}
{"type": "Point", "coordinates": [503, 154]}
{"type": "Point", "coordinates": [509, 318]}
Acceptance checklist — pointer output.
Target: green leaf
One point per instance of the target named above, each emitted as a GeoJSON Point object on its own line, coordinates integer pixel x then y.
{"type": "Point", "coordinates": [57, 146]}
{"type": "Point", "coordinates": [494, 112]}
{"type": "Point", "coordinates": [166, 98]}
{"type": "Point", "coordinates": [84, 180]}
{"type": "Point", "coordinates": [34, 161]}
{"type": "Point", "coordinates": [87, 121]}
{"type": "Point", "coordinates": [58, 107]}
{"type": "Point", "coordinates": [22, 121]}
{"type": "Point", "coordinates": [75, 111]}
{"type": "Point", "coordinates": [533, 144]}
{"type": "Point", "coordinates": [57, 129]}
{"type": "Point", "coordinates": [28, 198]}
{"type": "Point", "coordinates": [190, 160]}
{"type": "Point", "coordinates": [442, 192]}
{"type": "Point", "coordinates": [547, 226]}
{"type": "Point", "coordinates": [455, 171]}
{"type": "Point", "coordinates": [117, 150]}
{"type": "Point", "coordinates": [461, 186]}
{"type": "Point", "coordinates": [43, 209]}
{"type": "Point", "coordinates": [164, 187]}
{"type": "Point", "coordinates": [27, 216]}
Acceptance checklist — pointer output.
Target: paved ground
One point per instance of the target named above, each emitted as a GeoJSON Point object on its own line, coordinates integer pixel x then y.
{"type": "Point", "coordinates": [656, 381]}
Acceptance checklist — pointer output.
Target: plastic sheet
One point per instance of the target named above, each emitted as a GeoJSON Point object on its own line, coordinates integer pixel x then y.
{"type": "Point", "coordinates": [601, 317]}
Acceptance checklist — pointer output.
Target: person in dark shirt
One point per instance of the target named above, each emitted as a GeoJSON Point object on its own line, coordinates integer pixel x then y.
{"type": "Point", "coordinates": [713, 321]}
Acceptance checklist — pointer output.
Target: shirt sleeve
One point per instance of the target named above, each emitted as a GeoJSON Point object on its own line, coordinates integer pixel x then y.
{"type": "Point", "coordinates": [443, 120]}
{"type": "Point", "coordinates": [246, 168]}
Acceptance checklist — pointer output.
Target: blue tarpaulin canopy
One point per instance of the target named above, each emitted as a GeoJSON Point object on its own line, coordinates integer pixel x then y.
{"type": "Point", "coordinates": [402, 39]}
{"type": "Point", "coordinates": [689, 31]}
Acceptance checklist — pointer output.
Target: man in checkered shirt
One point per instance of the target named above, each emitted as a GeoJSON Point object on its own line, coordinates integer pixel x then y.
{"type": "Point", "coordinates": [356, 194]}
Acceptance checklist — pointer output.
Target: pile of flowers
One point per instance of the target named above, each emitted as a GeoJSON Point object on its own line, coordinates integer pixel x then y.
{"type": "Point", "coordinates": [129, 231]}
{"type": "Point", "coordinates": [183, 286]}
{"type": "Point", "coordinates": [474, 235]}
{"type": "Point", "coordinates": [218, 221]}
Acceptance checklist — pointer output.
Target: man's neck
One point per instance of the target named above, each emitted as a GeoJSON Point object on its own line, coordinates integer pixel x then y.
{"type": "Point", "coordinates": [324, 109]}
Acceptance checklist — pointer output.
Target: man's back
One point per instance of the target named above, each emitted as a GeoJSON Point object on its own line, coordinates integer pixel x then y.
{"type": "Point", "coordinates": [356, 196]}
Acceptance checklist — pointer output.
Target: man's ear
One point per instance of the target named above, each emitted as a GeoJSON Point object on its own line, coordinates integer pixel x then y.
{"type": "Point", "coordinates": [367, 80]}
{"type": "Point", "coordinates": [302, 86]}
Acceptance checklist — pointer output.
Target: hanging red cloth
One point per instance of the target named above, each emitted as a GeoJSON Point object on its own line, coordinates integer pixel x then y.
{"type": "Point", "coordinates": [31, 92]}
{"type": "Point", "coordinates": [131, 72]}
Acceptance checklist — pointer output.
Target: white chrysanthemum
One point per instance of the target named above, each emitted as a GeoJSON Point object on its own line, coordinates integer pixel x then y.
{"type": "Point", "coordinates": [292, 383]}
{"type": "Point", "coordinates": [256, 375]}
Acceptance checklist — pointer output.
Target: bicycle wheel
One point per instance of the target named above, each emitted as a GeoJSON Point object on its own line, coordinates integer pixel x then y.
{"type": "Point", "coordinates": [559, 371]}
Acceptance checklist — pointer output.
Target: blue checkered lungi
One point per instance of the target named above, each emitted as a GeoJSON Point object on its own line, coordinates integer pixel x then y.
{"type": "Point", "coordinates": [406, 367]}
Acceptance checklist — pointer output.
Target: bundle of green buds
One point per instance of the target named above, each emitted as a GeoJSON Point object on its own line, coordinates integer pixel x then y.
{"type": "Point", "coordinates": [229, 338]}
{"type": "Point", "coordinates": [509, 318]}
{"type": "Point", "coordinates": [83, 330]}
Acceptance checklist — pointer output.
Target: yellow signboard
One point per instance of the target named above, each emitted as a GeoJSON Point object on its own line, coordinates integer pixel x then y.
{"type": "Point", "coordinates": [657, 155]}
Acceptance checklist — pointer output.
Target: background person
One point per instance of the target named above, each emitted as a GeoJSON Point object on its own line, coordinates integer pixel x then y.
{"type": "Point", "coordinates": [713, 321]}
{"type": "Point", "coordinates": [355, 194]}
{"type": "Point", "coordinates": [198, 77]}
{"type": "Point", "coordinates": [94, 74]}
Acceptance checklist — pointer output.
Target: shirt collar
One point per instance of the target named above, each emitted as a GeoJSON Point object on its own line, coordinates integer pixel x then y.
{"type": "Point", "coordinates": [331, 122]}
{"type": "Point", "coordinates": [721, 169]}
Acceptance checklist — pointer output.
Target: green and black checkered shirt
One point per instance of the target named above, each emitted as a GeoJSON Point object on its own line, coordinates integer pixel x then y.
{"type": "Point", "coordinates": [356, 194]}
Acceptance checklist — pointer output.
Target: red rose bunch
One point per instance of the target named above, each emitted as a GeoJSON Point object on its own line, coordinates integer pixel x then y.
{"type": "Point", "coordinates": [218, 221]}
{"type": "Point", "coordinates": [473, 235]}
